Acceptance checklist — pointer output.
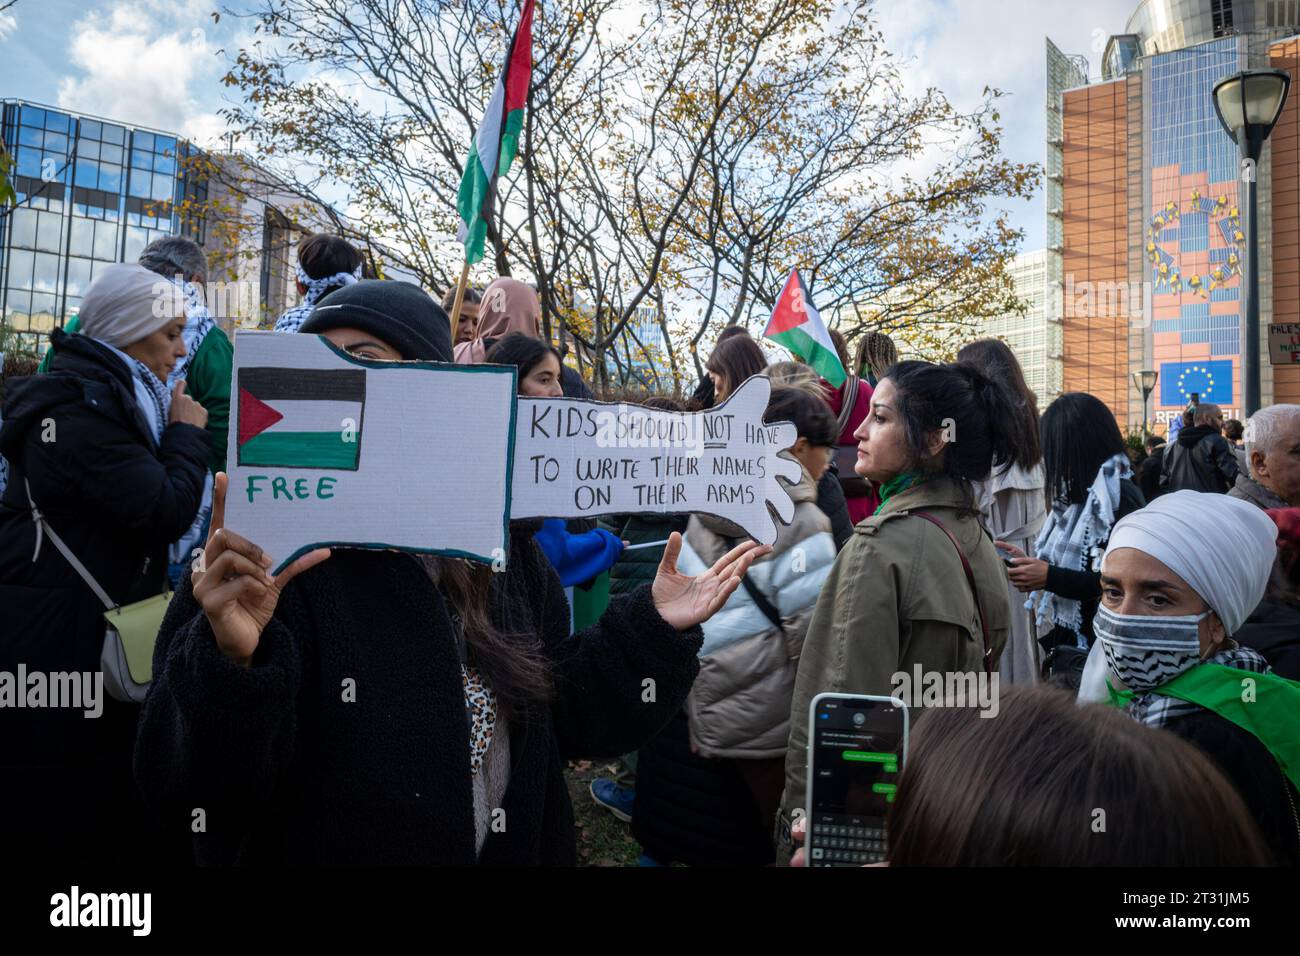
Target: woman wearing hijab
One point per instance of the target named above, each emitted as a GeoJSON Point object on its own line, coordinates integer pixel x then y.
{"type": "Point", "coordinates": [1089, 484]}
{"type": "Point", "coordinates": [509, 305]}
{"type": "Point", "coordinates": [116, 464]}
{"type": "Point", "coordinates": [1178, 580]}
{"type": "Point", "coordinates": [467, 692]}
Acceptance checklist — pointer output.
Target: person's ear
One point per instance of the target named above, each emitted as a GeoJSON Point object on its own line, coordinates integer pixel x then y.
{"type": "Point", "coordinates": [1212, 634]}
{"type": "Point", "coordinates": [1257, 467]}
{"type": "Point", "coordinates": [934, 442]}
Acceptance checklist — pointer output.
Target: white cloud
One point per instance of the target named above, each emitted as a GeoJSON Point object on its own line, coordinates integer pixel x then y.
{"type": "Point", "coordinates": [960, 46]}
{"type": "Point", "coordinates": [140, 65]}
{"type": "Point", "coordinates": [8, 25]}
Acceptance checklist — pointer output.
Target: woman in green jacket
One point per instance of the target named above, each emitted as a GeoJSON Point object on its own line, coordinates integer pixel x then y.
{"type": "Point", "coordinates": [898, 597]}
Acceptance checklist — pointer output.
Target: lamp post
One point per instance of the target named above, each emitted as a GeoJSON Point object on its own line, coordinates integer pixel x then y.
{"type": "Point", "coordinates": [1145, 380]}
{"type": "Point", "coordinates": [1248, 105]}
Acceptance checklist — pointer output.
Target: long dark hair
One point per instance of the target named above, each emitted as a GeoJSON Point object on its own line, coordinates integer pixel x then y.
{"type": "Point", "coordinates": [959, 398]}
{"type": "Point", "coordinates": [511, 662]}
{"type": "Point", "coordinates": [996, 360]}
{"type": "Point", "coordinates": [1079, 435]}
{"type": "Point", "coordinates": [520, 350]}
{"type": "Point", "coordinates": [736, 358]}
{"type": "Point", "coordinates": [1026, 787]}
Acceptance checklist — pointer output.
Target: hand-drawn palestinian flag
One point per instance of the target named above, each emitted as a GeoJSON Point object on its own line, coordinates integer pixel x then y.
{"type": "Point", "coordinates": [797, 325]}
{"type": "Point", "coordinates": [497, 140]}
{"type": "Point", "coordinates": [301, 418]}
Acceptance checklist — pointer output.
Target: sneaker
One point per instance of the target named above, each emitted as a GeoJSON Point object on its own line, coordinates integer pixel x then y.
{"type": "Point", "coordinates": [617, 800]}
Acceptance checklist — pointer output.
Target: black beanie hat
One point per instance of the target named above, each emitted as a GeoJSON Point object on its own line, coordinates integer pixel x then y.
{"type": "Point", "coordinates": [398, 313]}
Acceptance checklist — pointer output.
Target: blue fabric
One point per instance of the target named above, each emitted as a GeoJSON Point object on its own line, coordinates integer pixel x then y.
{"type": "Point", "coordinates": [578, 557]}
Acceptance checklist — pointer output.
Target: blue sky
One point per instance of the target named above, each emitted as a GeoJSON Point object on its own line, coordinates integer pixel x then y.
{"type": "Point", "coordinates": [159, 63]}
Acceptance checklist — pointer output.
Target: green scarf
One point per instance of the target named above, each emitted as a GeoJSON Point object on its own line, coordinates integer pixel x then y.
{"type": "Point", "coordinates": [900, 482]}
{"type": "Point", "coordinates": [1272, 717]}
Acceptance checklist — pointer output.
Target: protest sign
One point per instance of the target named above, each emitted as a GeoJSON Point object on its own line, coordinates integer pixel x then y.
{"type": "Point", "coordinates": [576, 458]}
{"type": "Point", "coordinates": [329, 449]}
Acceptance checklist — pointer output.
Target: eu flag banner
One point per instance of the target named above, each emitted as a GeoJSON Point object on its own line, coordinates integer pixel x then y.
{"type": "Point", "coordinates": [1212, 380]}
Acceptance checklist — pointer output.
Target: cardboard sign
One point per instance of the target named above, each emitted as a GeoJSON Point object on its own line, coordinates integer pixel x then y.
{"type": "Point", "coordinates": [577, 458]}
{"type": "Point", "coordinates": [1284, 343]}
{"type": "Point", "coordinates": [329, 449]}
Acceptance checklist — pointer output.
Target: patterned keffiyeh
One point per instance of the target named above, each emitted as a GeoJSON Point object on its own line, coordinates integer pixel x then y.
{"type": "Point", "coordinates": [198, 323]}
{"type": "Point", "coordinates": [1155, 710]}
{"type": "Point", "coordinates": [151, 394]}
{"type": "Point", "coordinates": [292, 320]}
{"type": "Point", "coordinates": [1074, 538]}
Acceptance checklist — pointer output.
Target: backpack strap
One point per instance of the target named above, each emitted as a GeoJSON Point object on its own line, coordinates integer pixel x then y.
{"type": "Point", "coordinates": [970, 579]}
{"type": "Point", "coordinates": [757, 596]}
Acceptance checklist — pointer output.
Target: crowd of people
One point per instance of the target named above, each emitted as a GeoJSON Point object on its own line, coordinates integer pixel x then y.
{"type": "Point", "coordinates": [941, 524]}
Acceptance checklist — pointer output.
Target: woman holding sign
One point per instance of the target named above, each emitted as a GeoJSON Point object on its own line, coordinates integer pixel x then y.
{"type": "Point", "coordinates": [382, 707]}
{"type": "Point", "coordinates": [919, 587]}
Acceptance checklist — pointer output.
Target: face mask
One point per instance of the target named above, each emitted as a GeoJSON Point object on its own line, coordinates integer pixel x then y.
{"type": "Point", "coordinates": [1145, 650]}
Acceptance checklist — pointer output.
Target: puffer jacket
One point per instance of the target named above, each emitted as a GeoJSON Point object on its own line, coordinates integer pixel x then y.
{"type": "Point", "coordinates": [740, 704]}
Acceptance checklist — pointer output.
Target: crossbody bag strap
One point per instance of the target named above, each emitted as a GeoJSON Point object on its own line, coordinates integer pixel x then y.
{"type": "Point", "coordinates": [43, 525]}
{"type": "Point", "coordinates": [758, 597]}
{"type": "Point", "coordinates": [970, 579]}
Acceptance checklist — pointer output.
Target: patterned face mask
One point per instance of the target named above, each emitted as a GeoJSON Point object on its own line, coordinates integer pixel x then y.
{"type": "Point", "coordinates": [1147, 651]}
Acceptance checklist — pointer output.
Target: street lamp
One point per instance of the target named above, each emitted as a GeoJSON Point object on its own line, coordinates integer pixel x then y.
{"type": "Point", "coordinates": [1145, 381]}
{"type": "Point", "coordinates": [1249, 104]}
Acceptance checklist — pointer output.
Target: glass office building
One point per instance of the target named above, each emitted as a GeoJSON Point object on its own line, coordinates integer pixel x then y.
{"type": "Point", "coordinates": [1153, 240]}
{"type": "Point", "coordinates": [89, 193]}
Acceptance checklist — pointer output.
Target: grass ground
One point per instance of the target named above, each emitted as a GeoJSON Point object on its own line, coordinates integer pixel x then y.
{"type": "Point", "coordinates": [603, 839]}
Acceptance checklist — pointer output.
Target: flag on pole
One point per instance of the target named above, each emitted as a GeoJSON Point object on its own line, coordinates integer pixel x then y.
{"type": "Point", "coordinates": [497, 139]}
{"type": "Point", "coordinates": [796, 324]}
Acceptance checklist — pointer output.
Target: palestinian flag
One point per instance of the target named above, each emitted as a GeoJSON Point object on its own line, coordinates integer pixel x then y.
{"type": "Point", "coordinates": [497, 140]}
{"type": "Point", "coordinates": [301, 418]}
{"type": "Point", "coordinates": [796, 324]}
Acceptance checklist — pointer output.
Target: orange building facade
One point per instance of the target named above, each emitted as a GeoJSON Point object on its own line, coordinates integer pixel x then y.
{"type": "Point", "coordinates": [1153, 237]}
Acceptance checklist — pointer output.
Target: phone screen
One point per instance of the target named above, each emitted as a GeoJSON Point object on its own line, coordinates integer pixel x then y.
{"type": "Point", "coordinates": [857, 749]}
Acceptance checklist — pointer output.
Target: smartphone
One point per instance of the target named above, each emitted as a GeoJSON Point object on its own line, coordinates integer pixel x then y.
{"type": "Point", "coordinates": [1007, 557]}
{"type": "Point", "coordinates": [856, 748]}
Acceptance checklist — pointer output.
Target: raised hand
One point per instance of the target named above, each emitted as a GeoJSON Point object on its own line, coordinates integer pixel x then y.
{"type": "Point", "coordinates": [685, 601]}
{"type": "Point", "coordinates": [232, 585]}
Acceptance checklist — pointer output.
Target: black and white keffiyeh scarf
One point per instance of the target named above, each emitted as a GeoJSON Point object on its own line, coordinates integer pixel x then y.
{"type": "Point", "coordinates": [1156, 710]}
{"type": "Point", "coordinates": [292, 319]}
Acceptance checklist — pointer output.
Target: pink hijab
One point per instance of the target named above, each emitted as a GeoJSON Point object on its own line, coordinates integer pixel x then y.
{"type": "Point", "coordinates": [508, 305]}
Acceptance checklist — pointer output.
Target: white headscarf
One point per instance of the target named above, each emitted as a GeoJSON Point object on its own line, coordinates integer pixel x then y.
{"type": "Point", "coordinates": [1222, 547]}
{"type": "Point", "coordinates": [127, 303]}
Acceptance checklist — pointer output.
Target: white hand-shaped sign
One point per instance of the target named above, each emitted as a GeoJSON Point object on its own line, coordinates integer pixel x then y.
{"type": "Point", "coordinates": [576, 458]}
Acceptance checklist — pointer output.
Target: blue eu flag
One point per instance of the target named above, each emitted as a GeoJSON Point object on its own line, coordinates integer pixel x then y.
{"type": "Point", "coordinates": [1211, 379]}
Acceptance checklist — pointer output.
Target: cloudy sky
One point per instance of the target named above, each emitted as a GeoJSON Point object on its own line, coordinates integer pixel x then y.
{"type": "Point", "coordinates": [158, 62]}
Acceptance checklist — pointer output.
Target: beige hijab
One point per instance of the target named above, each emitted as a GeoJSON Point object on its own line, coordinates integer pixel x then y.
{"type": "Point", "coordinates": [508, 305]}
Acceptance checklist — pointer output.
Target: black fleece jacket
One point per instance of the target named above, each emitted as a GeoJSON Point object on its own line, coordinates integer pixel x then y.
{"type": "Point", "coordinates": [288, 771]}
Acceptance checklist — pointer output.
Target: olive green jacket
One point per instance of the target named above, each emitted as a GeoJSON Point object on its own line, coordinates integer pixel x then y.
{"type": "Point", "coordinates": [896, 597]}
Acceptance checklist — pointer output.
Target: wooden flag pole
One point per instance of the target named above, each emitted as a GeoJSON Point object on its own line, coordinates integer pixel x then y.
{"type": "Point", "coordinates": [460, 299]}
